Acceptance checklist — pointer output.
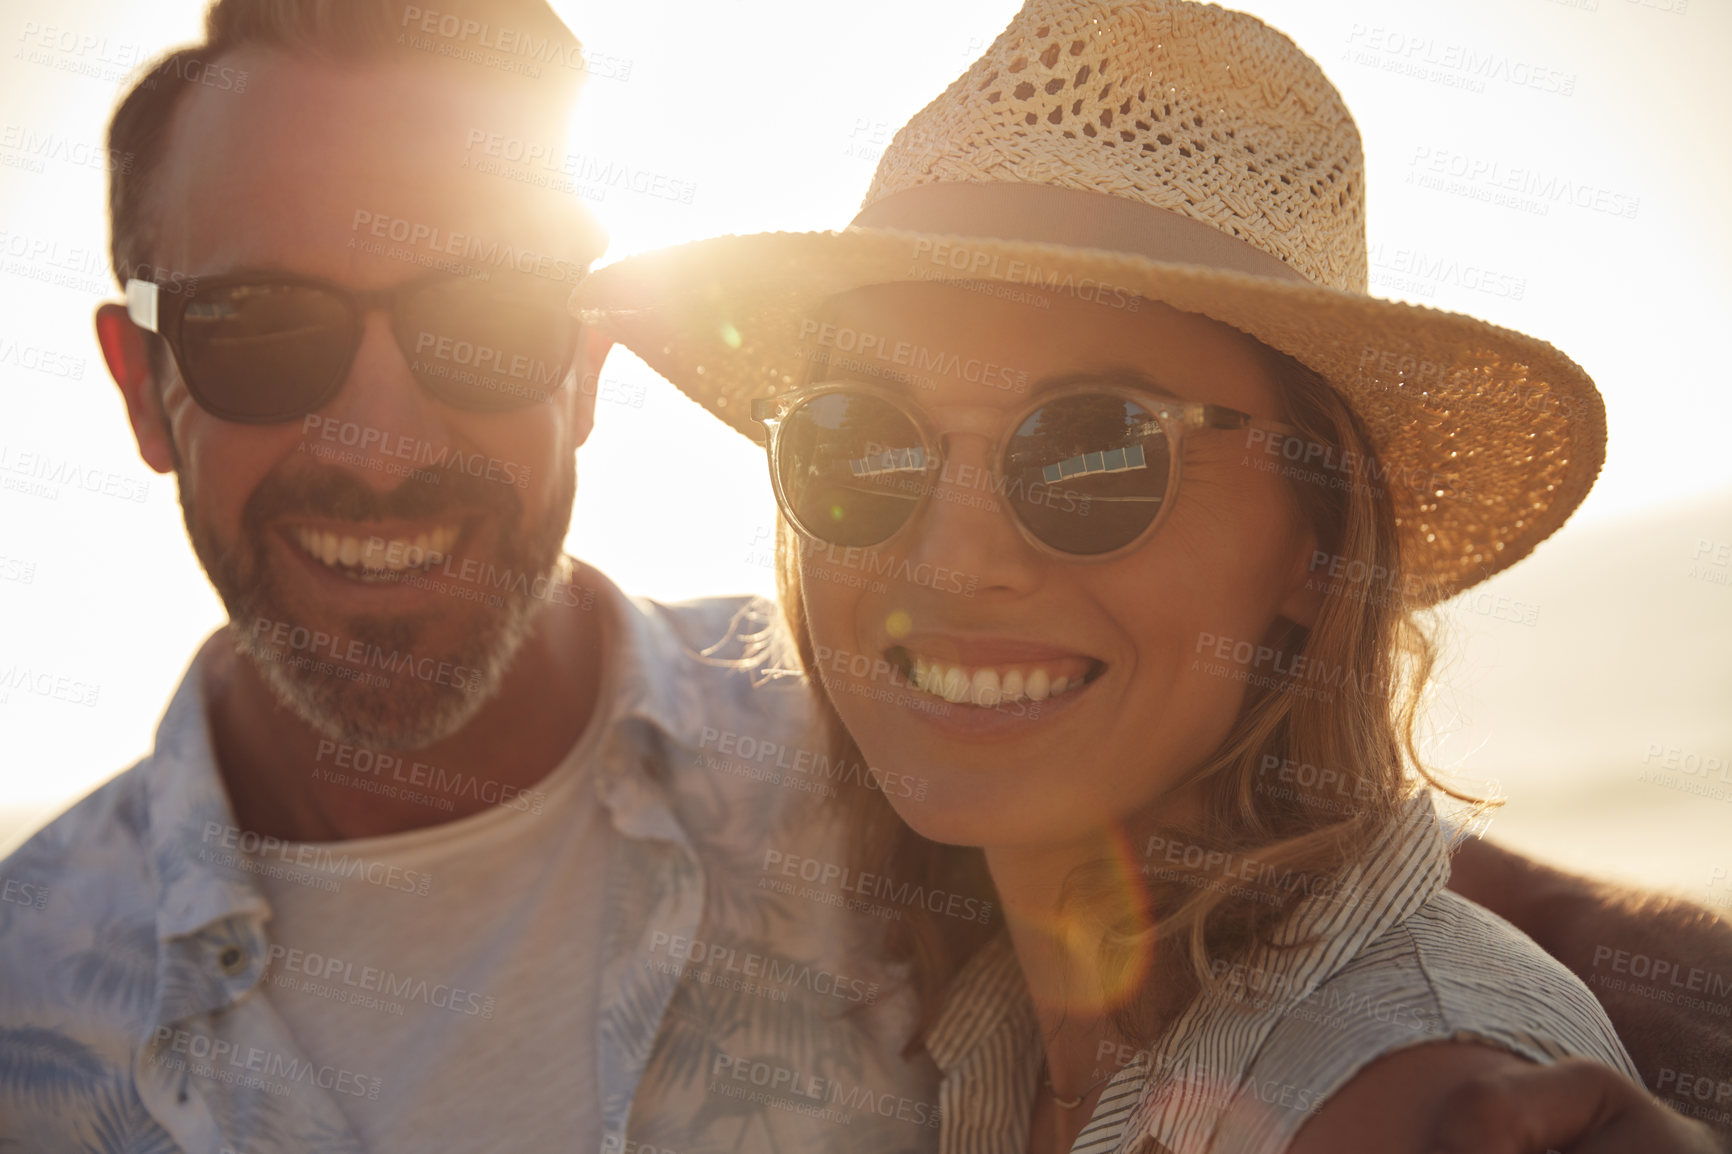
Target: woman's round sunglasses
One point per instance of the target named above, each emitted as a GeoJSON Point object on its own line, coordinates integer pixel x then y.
{"type": "Point", "coordinates": [263, 349]}
{"type": "Point", "coordinates": [1088, 469]}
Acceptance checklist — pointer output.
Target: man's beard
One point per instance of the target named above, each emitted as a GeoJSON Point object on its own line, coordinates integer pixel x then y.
{"type": "Point", "coordinates": [339, 694]}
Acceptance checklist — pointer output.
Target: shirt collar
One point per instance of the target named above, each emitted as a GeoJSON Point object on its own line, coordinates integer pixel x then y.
{"type": "Point", "coordinates": [1200, 1061]}
{"type": "Point", "coordinates": [1407, 864]}
{"type": "Point", "coordinates": [650, 671]}
{"type": "Point", "coordinates": [987, 996]}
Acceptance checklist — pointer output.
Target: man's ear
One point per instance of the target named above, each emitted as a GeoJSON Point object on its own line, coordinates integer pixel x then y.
{"type": "Point", "coordinates": [592, 353]}
{"type": "Point", "coordinates": [128, 356]}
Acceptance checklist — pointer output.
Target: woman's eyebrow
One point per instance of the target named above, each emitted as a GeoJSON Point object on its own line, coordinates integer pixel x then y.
{"type": "Point", "coordinates": [1125, 376]}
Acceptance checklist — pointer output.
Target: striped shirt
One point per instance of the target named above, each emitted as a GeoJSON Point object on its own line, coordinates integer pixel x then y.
{"type": "Point", "coordinates": [1395, 960]}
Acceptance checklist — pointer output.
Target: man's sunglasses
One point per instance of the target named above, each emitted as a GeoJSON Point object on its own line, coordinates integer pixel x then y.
{"type": "Point", "coordinates": [267, 349]}
{"type": "Point", "coordinates": [1088, 470]}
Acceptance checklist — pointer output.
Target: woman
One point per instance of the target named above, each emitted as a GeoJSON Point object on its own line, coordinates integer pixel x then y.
{"type": "Point", "coordinates": [1108, 501]}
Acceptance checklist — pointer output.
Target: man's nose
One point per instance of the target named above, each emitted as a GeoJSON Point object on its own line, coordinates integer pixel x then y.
{"type": "Point", "coordinates": [381, 409]}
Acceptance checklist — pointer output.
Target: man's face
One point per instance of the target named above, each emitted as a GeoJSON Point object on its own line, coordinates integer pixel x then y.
{"type": "Point", "coordinates": [381, 559]}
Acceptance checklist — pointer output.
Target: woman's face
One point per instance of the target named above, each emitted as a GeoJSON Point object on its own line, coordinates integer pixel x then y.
{"type": "Point", "coordinates": [1136, 640]}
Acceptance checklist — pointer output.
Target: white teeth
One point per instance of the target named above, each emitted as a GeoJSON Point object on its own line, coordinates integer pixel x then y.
{"type": "Point", "coordinates": [983, 690]}
{"type": "Point", "coordinates": [375, 555]}
{"type": "Point", "coordinates": [987, 687]}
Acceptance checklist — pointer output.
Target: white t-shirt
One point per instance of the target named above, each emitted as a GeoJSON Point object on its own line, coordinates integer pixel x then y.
{"type": "Point", "coordinates": [451, 980]}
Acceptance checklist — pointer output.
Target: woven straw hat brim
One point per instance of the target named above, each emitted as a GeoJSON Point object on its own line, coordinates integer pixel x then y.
{"type": "Point", "coordinates": [1486, 439]}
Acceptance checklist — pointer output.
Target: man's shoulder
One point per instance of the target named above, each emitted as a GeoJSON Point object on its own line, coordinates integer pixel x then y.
{"type": "Point", "coordinates": [85, 873]}
{"type": "Point", "coordinates": [734, 650]}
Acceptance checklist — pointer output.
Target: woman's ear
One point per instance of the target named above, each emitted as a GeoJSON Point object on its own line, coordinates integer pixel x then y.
{"type": "Point", "coordinates": [1304, 598]}
{"type": "Point", "coordinates": [124, 348]}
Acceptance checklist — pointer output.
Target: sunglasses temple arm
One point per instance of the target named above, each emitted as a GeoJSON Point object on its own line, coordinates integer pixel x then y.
{"type": "Point", "coordinates": [141, 304]}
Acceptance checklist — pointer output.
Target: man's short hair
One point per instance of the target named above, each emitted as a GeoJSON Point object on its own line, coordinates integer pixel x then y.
{"type": "Point", "coordinates": [509, 41]}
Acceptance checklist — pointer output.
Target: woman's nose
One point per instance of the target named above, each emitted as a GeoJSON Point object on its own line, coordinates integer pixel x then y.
{"type": "Point", "coordinates": [966, 524]}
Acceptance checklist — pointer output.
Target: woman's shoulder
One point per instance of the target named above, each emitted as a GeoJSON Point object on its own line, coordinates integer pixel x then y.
{"type": "Point", "coordinates": [1452, 972]}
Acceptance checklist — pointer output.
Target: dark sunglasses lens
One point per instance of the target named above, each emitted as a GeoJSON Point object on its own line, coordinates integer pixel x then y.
{"type": "Point", "coordinates": [267, 352]}
{"type": "Point", "coordinates": [851, 468]}
{"type": "Point", "coordinates": [479, 346]}
{"type": "Point", "coordinates": [1088, 473]}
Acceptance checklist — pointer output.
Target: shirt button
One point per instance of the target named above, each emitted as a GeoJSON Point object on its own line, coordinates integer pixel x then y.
{"type": "Point", "coordinates": [233, 960]}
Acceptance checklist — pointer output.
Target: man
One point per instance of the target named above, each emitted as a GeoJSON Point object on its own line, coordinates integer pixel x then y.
{"type": "Point", "coordinates": [421, 859]}
{"type": "Point", "coordinates": [446, 844]}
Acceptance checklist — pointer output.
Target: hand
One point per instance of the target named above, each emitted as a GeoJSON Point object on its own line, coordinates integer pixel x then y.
{"type": "Point", "coordinates": [1574, 1106]}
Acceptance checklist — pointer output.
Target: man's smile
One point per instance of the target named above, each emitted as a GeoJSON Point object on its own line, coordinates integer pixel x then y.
{"type": "Point", "coordinates": [371, 555]}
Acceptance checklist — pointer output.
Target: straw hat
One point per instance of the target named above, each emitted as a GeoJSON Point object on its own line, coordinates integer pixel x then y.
{"type": "Point", "coordinates": [1109, 150]}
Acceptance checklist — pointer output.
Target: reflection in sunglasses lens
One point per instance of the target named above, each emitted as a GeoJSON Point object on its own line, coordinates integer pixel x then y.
{"type": "Point", "coordinates": [1087, 474]}
{"type": "Point", "coordinates": [265, 351]}
{"type": "Point", "coordinates": [851, 468]}
{"type": "Point", "coordinates": [477, 349]}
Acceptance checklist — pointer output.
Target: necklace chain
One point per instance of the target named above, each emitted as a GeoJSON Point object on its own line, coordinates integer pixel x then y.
{"type": "Point", "coordinates": [1069, 1103]}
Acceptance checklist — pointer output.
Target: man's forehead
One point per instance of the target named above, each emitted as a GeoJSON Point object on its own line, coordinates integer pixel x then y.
{"type": "Point", "coordinates": [315, 162]}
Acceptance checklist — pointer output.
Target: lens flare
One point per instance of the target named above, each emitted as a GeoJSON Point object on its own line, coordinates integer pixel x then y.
{"type": "Point", "coordinates": [1106, 916]}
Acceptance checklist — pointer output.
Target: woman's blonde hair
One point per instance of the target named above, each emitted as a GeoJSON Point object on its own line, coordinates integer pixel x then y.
{"type": "Point", "coordinates": [1368, 632]}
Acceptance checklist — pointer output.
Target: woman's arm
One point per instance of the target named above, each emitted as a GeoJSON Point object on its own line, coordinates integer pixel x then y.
{"type": "Point", "coordinates": [1660, 966]}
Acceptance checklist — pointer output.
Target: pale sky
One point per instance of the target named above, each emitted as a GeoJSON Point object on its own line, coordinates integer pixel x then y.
{"type": "Point", "coordinates": [774, 111]}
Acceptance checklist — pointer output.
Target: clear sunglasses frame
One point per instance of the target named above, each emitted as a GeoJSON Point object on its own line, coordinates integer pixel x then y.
{"type": "Point", "coordinates": [1176, 418]}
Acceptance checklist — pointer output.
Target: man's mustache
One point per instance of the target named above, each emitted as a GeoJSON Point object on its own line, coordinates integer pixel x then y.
{"type": "Point", "coordinates": [336, 494]}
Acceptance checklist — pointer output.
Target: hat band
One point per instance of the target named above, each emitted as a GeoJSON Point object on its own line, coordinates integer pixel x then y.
{"type": "Point", "coordinates": [1076, 218]}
